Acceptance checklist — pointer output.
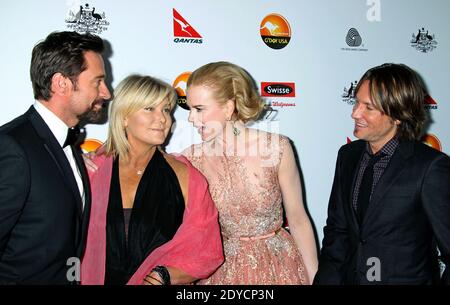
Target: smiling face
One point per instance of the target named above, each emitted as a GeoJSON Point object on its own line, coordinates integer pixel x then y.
{"type": "Point", "coordinates": [90, 91]}
{"type": "Point", "coordinates": [371, 124]}
{"type": "Point", "coordinates": [206, 114]}
{"type": "Point", "coordinates": [149, 125]}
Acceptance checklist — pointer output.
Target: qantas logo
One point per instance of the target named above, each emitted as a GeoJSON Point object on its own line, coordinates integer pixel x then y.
{"type": "Point", "coordinates": [430, 103]}
{"type": "Point", "coordinates": [278, 89]}
{"type": "Point", "coordinates": [183, 31]}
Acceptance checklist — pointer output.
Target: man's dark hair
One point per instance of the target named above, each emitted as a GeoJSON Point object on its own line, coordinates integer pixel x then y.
{"type": "Point", "coordinates": [398, 91]}
{"type": "Point", "coordinates": [61, 52]}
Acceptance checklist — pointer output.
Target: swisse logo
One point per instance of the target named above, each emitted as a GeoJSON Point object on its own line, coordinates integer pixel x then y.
{"type": "Point", "coordinates": [183, 31]}
{"type": "Point", "coordinates": [278, 89]}
{"type": "Point", "coordinates": [275, 31]}
{"type": "Point", "coordinates": [180, 86]}
{"type": "Point", "coordinates": [432, 141]}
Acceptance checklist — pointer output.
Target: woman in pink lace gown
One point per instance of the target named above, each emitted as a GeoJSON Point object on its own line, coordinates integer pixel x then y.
{"type": "Point", "coordinates": [252, 175]}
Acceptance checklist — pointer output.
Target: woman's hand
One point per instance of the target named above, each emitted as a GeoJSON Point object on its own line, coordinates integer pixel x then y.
{"type": "Point", "coordinates": [89, 161]}
{"type": "Point", "coordinates": [152, 278]}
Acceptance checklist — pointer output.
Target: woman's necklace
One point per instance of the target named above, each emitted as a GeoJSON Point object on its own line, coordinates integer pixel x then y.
{"type": "Point", "coordinates": [139, 171]}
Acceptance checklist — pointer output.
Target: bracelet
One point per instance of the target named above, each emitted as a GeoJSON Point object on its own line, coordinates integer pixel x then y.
{"type": "Point", "coordinates": [153, 278]}
{"type": "Point", "coordinates": [147, 281]}
{"type": "Point", "coordinates": [163, 274]}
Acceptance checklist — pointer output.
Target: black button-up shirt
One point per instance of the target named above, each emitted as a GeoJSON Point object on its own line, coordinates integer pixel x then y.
{"type": "Point", "coordinates": [378, 168]}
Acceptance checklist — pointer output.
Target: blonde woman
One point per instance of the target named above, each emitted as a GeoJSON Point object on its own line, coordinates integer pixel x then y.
{"type": "Point", "coordinates": [252, 175]}
{"type": "Point", "coordinates": [151, 211]}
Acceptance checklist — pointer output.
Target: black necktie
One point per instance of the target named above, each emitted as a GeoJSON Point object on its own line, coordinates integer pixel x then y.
{"type": "Point", "coordinates": [73, 134]}
{"type": "Point", "coordinates": [365, 188]}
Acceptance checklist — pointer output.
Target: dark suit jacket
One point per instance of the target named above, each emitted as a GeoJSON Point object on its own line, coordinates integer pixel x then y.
{"type": "Point", "coordinates": [42, 223]}
{"type": "Point", "coordinates": [408, 215]}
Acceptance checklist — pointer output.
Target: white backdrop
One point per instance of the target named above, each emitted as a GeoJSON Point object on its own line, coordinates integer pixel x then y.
{"type": "Point", "coordinates": [317, 60]}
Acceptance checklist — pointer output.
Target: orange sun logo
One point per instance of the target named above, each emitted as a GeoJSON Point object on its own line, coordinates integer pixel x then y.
{"type": "Point", "coordinates": [432, 141]}
{"type": "Point", "coordinates": [275, 25]}
{"type": "Point", "coordinates": [275, 31]}
{"type": "Point", "coordinates": [180, 86]}
{"type": "Point", "coordinates": [90, 145]}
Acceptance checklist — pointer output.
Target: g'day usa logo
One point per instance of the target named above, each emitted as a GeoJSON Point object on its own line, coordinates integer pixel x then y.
{"type": "Point", "coordinates": [180, 87]}
{"type": "Point", "coordinates": [183, 31]}
{"type": "Point", "coordinates": [275, 31]}
{"type": "Point", "coordinates": [432, 141]}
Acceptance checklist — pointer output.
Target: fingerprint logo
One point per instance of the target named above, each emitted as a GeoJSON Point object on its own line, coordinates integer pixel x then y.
{"type": "Point", "coordinates": [432, 141]}
{"type": "Point", "coordinates": [353, 38]}
{"type": "Point", "coordinates": [90, 145]}
{"type": "Point", "coordinates": [180, 86]}
{"type": "Point", "coordinates": [275, 31]}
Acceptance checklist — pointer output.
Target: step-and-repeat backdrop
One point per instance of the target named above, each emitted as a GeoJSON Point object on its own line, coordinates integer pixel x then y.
{"type": "Point", "coordinates": [306, 57]}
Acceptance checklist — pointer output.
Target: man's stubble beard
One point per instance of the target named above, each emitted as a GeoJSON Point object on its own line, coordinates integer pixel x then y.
{"type": "Point", "coordinates": [93, 115]}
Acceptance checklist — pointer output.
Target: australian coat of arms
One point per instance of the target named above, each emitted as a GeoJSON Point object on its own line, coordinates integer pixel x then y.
{"type": "Point", "coordinates": [423, 41]}
{"type": "Point", "coordinates": [84, 19]}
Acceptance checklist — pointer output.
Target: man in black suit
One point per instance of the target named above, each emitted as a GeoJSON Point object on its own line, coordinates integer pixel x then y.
{"type": "Point", "coordinates": [44, 188]}
{"type": "Point", "coordinates": [389, 207]}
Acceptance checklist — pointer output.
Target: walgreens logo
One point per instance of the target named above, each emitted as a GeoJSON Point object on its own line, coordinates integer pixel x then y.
{"type": "Point", "coordinates": [274, 89]}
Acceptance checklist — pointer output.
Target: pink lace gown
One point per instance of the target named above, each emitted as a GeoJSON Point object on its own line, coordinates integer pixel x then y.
{"type": "Point", "coordinates": [245, 189]}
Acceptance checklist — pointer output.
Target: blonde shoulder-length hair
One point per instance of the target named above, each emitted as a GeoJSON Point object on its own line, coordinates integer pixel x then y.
{"type": "Point", "coordinates": [131, 94]}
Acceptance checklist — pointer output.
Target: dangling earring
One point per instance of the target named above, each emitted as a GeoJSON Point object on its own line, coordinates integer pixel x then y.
{"type": "Point", "coordinates": [236, 131]}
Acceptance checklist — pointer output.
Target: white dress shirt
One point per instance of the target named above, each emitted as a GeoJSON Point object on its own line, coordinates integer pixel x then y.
{"type": "Point", "coordinates": [59, 130]}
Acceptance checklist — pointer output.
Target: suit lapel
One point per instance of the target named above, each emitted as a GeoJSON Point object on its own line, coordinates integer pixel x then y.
{"type": "Point", "coordinates": [56, 153]}
{"type": "Point", "coordinates": [394, 169]}
{"type": "Point", "coordinates": [351, 172]}
{"type": "Point", "coordinates": [84, 175]}
{"type": "Point", "coordinates": [87, 203]}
